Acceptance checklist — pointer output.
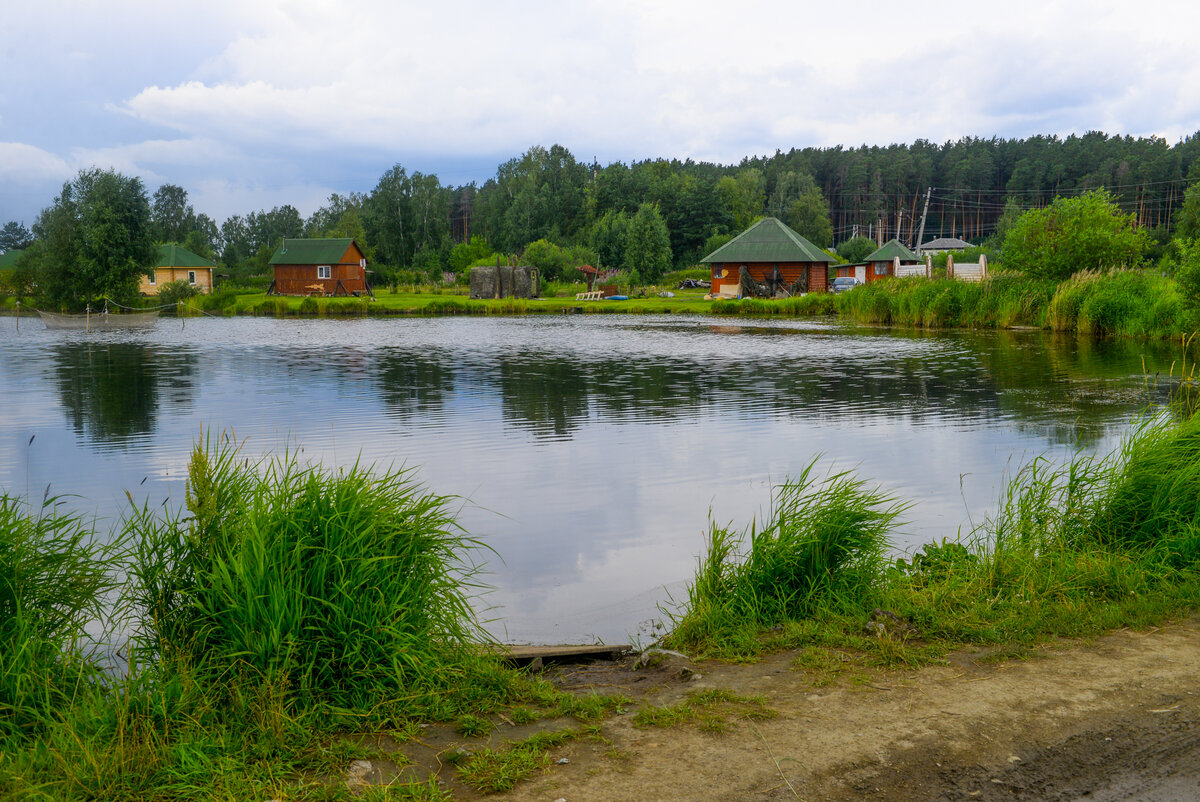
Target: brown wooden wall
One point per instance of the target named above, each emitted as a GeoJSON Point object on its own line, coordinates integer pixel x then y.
{"type": "Point", "coordinates": [818, 278]}
{"type": "Point", "coordinates": [302, 279]}
{"type": "Point", "coordinates": [887, 266]}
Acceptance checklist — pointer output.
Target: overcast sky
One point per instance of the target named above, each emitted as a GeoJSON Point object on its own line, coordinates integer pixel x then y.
{"type": "Point", "coordinates": [253, 103]}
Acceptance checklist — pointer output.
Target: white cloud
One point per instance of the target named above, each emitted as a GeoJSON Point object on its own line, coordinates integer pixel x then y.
{"type": "Point", "coordinates": [20, 162]}
{"type": "Point", "coordinates": [269, 92]}
{"type": "Point", "coordinates": [673, 78]}
{"type": "Point", "coordinates": [141, 157]}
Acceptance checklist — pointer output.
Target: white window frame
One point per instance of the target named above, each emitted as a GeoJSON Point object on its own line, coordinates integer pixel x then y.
{"type": "Point", "coordinates": [153, 277]}
{"type": "Point", "coordinates": [191, 277]}
{"type": "Point", "coordinates": [881, 269]}
{"type": "Point", "coordinates": [324, 271]}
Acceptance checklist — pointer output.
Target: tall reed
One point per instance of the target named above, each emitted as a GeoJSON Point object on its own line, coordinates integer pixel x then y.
{"type": "Point", "coordinates": [53, 577]}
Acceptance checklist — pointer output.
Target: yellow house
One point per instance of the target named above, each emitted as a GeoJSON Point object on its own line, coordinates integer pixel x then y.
{"type": "Point", "coordinates": [177, 263]}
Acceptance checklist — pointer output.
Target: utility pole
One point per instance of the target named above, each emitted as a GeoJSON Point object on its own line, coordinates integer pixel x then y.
{"type": "Point", "coordinates": [921, 230]}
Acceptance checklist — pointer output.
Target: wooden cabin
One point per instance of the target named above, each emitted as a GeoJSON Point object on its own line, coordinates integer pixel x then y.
{"type": "Point", "coordinates": [881, 263]}
{"type": "Point", "coordinates": [768, 259]}
{"type": "Point", "coordinates": [330, 266]}
{"type": "Point", "coordinates": [177, 263]}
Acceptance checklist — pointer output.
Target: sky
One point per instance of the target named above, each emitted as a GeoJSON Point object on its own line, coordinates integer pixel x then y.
{"type": "Point", "coordinates": [250, 104]}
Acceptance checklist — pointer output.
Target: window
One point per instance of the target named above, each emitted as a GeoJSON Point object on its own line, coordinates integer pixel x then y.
{"type": "Point", "coordinates": [191, 277]}
{"type": "Point", "coordinates": [362, 263]}
{"type": "Point", "coordinates": [881, 269]}
{"type": "Point", "coordinates": [153, 278]}
{"type": "Point", "coordinates": [322, 271]}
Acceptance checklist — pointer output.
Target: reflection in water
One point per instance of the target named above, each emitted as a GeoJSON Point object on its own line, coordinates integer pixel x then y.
{"type": "Point", "coordinates": [591, 448]}
{"type": "Point", "coordinates": [413, 383]}
{"type": "Point", "coordinates": [111, 392]}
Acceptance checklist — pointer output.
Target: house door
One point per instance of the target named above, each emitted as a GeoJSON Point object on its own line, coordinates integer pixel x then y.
{"type": "Point", "coordinates": [860, 273]}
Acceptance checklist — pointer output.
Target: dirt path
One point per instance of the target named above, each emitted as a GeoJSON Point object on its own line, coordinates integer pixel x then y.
{"type": "Point", "coordinates": [1115, 719]}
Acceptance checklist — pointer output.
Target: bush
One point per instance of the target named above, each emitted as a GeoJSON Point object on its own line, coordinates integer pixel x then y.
{"type": "Point", "coordinates": [856, 249]}
{"type": "Point", "coordinates": [1087, 232]}
{"type": "Point", "coordinates": [176, 292]}
{"type": "Point", "coordinates": [552, 262]}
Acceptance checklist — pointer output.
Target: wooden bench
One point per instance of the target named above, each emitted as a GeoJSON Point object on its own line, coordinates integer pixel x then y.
{"type": "Point", "coordinates": [595, 295]}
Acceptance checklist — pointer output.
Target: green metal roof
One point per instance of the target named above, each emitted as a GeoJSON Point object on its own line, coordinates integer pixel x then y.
{"type": "Point", "coordinates": [327, 251]}
{"type": "Point", "coordinates": [768, 240]}
{"type": "Point", "coordinates": [172, 255]}
{"type": "Point", "coordinates": [8, 259]}
{"type": "Point", "coordinates": [890, 250]}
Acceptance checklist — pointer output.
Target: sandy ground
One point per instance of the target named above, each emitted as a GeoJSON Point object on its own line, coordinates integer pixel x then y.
{"type": "Point", "coordinates": [1116, 718]}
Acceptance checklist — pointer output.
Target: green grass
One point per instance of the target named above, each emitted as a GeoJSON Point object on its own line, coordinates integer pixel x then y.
{"type": "Point", "coordinates": [455, 301]}
{"type": "Point", "coordinates": [496, 770]}
{"type": "Point", "coordinates": [344, 589]}
{"type": "Point", "coordinates": [713, 710]}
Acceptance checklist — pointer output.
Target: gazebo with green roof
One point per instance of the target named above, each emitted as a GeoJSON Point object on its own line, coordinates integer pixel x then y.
{"type": "Point", "coordinates": [177, 263]}
{"type": "Point", "coordinates": [769, 258]}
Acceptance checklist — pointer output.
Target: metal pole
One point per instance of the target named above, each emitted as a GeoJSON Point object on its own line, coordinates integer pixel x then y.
{"type": "Point", "coordinates": [89, 318]}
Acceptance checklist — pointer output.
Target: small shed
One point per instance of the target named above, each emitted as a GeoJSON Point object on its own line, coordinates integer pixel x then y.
{"type": "Point", "coordinates": [883, 261]}
{"type": "Point", "coordinates": [324, 266]}
{"type": "Point", "coordinates": [769, 259]}
{"type": "Point", "coordinates": [503, 281]}
{"type": "Point", "coordinates": [177, 263]}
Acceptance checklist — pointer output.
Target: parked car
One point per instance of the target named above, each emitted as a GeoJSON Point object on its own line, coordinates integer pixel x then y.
{"type": "Point", "coordinates": [844, 284]}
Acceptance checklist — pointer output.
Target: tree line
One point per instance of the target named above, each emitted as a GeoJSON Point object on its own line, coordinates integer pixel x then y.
{"type": "Point", "coordinates": [548, 208]}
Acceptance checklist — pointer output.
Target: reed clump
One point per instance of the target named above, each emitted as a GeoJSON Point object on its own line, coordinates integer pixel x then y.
{"type": "Point", "coordinates": [1135, 303]}
{"type": "Point", "coordinates": [823, 539]}
{"type": "Point", "coordinates": [1002, 300]}
{"type": "Point", "coordinates": [346, 588]}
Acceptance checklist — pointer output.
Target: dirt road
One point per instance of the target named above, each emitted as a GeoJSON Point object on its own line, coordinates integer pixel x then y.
{"type": "Point", "coordinates": [1117, 718]}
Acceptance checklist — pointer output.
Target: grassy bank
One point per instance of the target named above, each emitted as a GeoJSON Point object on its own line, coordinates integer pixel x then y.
{"type": "Point", "coordinates": [1072, 551]}
{"type": "Point", "coordinates": [288, 607]}
{"type": "Point", "coordinates": [1130, 303]}
{"type": "Point", "coordinates": [451, 302]}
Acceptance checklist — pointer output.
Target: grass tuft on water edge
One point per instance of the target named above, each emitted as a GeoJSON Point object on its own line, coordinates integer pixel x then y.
{"type": "Point", "coordinates": [823, 539]}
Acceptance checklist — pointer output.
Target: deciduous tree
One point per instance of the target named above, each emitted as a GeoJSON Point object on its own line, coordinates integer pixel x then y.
{"type": "Point", "coordinates": [97, 238]}
{"type": "Point", "coordinates": [648, 245]}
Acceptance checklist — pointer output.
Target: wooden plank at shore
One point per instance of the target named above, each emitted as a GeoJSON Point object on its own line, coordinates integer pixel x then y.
{"type": "Point", "coordinates": [595, 651]}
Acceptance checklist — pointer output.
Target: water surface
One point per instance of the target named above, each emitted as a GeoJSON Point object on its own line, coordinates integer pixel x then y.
{"type": "Point", "coordinates": [591, 449]}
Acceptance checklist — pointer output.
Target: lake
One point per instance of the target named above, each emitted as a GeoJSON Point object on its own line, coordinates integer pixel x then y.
{"type": "Point", "coordinates": [590, 450]}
